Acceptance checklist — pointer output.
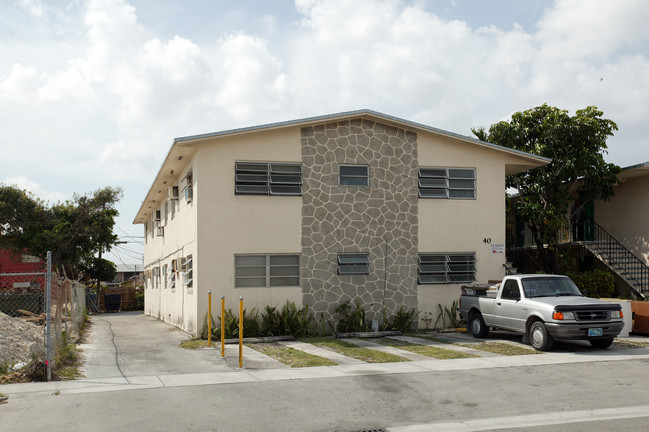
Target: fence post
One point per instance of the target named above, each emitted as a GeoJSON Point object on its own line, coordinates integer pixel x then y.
{"type": "Point", "coordinates": [48, 323]}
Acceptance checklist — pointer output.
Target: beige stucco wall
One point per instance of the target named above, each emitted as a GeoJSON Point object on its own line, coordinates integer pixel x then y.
{"type": "Point", "coordinates": [625, 215]}
{"type": "Point", "coordinates": [452, 225]}
{"type": "Point", "coordinates": [218, 224]}
{"type": "Point", "coordinates": [176, 305]}
{"type": "Point", "coordinates": [230, 224]}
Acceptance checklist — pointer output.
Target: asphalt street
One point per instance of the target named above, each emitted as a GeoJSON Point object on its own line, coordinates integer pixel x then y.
{"type": "Point", "coordinates": [589, 390]}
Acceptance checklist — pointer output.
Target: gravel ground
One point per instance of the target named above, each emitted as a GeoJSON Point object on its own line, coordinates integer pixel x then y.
{"type": "Point", "coordinates": [18, 340]}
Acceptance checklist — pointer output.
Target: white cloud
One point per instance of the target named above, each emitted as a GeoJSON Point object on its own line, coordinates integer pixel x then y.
{"type": "Point", "coordinates": [105, 105]}
{"type": "Point", "coordinates": [34, 7]}
{"type": "Point", "coordinates": [35, 188]}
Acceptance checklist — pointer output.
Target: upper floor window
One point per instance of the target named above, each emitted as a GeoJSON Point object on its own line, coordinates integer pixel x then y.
{"type": "Point", "coordinates": [452, 183]}
{"type": "Point", "coordinates": [354, 175]}
{"type": "Point", "coordinates": [446, 268]}
{"type": "Point", "coordinates": [188, 186]}
{"type": "Point", "coordinates": [267, 178]}
{"type": "Point", "coordinates": [350, 264]}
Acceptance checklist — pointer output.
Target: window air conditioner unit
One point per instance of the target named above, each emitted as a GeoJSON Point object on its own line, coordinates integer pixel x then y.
{"type": "Point", "coordinates": [160, 231]}
{"type": "Point", "coordinates": [172, 192]}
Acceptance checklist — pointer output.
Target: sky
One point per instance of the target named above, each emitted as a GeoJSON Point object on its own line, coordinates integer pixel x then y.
{"type": "Point", "coordinates": [93, 92]}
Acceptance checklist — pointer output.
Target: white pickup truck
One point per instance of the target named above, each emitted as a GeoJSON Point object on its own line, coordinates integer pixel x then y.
{"type": "Point", "coordinates": [542, 308]}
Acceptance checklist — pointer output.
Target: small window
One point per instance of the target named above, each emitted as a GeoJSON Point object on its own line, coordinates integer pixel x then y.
{"type": "Point", "coordinates": [446, 268]}
{"type": "Point", "coordinates": [350, 264]}
{"type": "Point", "coordinates": [189, 187]}
{"type": "Point", "coordinates": [448, 183]}
{"type": "Point", "coordinates": [267, 178]}
{"type": "Point", "coordinates": [354, 175]}
{"type": "Point", "coordinates": [263, 271]}
{"type": "Point", "coordinates": [171, 278]}
{"type": "Point", "coordinates": [188, 272]}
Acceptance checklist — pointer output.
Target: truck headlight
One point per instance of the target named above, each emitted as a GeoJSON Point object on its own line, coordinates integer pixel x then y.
{"type": "Point", "coordinates": [563, 316]}
{"type": "Point", "coordinates": [617, 314]}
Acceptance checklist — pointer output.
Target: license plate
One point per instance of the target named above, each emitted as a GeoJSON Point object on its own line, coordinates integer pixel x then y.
{"type": "Point", "coordinates": [595, 332]}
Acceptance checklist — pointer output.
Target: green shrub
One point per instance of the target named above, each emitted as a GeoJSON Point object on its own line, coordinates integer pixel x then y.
{"type": "Point", "coordinates": [352, 320]}
{"type": "Point", "coordinates": [402, 320]}
{"type": "Point", "coordinates": [597, 283]}
{"type": "Point", "coordinates": [139, 300]}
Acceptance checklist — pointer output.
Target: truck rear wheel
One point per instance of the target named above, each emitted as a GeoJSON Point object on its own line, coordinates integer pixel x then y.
{"type": "Point", "coordinates": [540, 339]}
{"type": "Point", "coordinates": [477, 326]}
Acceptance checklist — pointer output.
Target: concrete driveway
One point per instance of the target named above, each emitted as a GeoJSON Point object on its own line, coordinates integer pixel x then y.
{"type": "Point", "coordinates": [129, 344]}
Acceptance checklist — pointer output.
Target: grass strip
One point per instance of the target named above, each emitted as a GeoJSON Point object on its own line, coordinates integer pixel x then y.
{"type": "Point", "coordinates": [501, 348]}
{"type": "Point", "coordinates": [291, 356]}
{"type": "Point", "coordinates": [348, 349]}
{"type": "Point", "coordinates": [426, 350]}
{"type": "Point", "coordinates": [195, 344]}
{"type": "Point", "coordinates": [632, 344]}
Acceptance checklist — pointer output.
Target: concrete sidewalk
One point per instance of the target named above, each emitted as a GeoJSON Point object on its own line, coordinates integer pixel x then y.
{"type": "Point", "coordinates": [252, 375]}
{"type": "Point", "coordinates": [131, 344]}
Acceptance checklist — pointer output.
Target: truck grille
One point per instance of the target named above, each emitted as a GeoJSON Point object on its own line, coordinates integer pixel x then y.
{"type": "Point", "coordinates": [592, 315]}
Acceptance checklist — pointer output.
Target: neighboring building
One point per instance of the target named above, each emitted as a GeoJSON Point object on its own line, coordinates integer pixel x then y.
{"type": "Point", "coordinates": [611, 234]}
{"type": "Point", "coordinates": [18, 272]}
{"type": "Point", "coordinates": [133, 274]}
{"type": "Point", "coordinates": [351, 206]}
{"type": "Point", "coordinates": [626, 215]}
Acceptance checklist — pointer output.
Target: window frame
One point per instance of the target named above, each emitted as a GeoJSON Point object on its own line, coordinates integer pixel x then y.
{"type": "Point", "coordinates": [353, 263]}
{"type": "Point", "coordinates": [268, 269]}
{"type": "Point", "coordinates": [439, 268]}
{"type": "Point", "coordinates": [444, 182]}
{"type": "Point", "coordinates": [171, 280]}
{"type": "Point", "coordinates": [351, 176]}
{"type": "Point", "coordinates": [187, 268]}
{"type": "Point", "coordinates": [188, 189]}
{"type": "Point", "coordinates": [268, 178]}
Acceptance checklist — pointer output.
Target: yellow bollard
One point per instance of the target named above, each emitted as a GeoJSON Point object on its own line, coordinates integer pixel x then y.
{"type": "Point", "coordinates": [241, 332]}
{"type": "Point", "coordinates": [209, 319]}
{"type": "Point", "coordinates": [222, 326]}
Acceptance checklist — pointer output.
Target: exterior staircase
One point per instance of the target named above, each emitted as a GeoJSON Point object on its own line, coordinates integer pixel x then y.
{"type": "Point", "coordinates": [619, 259]}
{"type": "Point", "coordinates": [602, 245]}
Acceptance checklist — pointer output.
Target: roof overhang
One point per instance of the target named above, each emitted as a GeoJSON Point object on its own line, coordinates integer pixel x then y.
{"type": "Point", "coordinates": [634, 171]}
{"type": "Point", "coordinates": [183, 149]}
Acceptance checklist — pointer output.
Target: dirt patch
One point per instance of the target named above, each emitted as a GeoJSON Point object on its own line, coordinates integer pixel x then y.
{"type": "Point", "coordinates": [19, 340]}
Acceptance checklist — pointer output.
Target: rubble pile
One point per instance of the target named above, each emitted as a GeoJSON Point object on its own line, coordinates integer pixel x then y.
{"type": "Point", "coordinates": [19, 340]}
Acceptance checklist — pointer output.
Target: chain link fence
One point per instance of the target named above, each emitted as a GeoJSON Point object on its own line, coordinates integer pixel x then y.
{"type": "Point", "coordinates": [43, 298]}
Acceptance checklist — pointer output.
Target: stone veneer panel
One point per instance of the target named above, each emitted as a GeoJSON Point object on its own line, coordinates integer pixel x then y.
{"type": "Point", "coordinates": [380, 220]}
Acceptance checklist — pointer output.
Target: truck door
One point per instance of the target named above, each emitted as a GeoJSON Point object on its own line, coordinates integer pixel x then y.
{"type": "Point", "coordinates": [509, 311]}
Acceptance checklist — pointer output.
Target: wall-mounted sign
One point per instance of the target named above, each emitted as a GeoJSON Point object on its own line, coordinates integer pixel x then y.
{"type": "Point", "coordinates": [497, 248]}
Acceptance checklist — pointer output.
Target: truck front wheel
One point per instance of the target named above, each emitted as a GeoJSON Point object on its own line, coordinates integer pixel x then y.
{"type": "Point", "coordinates": [477, 326]}
{"type": "Point", "coordinates": [540, 339]}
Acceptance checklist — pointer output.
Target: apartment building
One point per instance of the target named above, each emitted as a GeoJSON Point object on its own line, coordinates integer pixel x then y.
{"type": "Point", "coordinates": [350, 206]}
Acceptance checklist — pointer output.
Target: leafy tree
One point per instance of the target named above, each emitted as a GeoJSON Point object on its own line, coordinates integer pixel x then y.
{"type": "Point", "coordinates": [75, 231]}
{"type": "Point", "coordinates": [576, 145]}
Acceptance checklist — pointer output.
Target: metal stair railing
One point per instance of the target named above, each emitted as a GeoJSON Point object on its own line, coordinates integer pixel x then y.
{"type": "Point", "coordinates": [617, 256]}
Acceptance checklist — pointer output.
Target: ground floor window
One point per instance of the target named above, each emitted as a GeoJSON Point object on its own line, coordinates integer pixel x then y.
{"type": "Point", "coordinates": [446, 268]}
{"type": "Point", "coordinates": [266, 270]}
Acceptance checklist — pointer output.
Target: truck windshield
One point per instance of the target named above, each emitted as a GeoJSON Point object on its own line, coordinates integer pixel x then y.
{"type": "Point", "coordinates": [549, 287]}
